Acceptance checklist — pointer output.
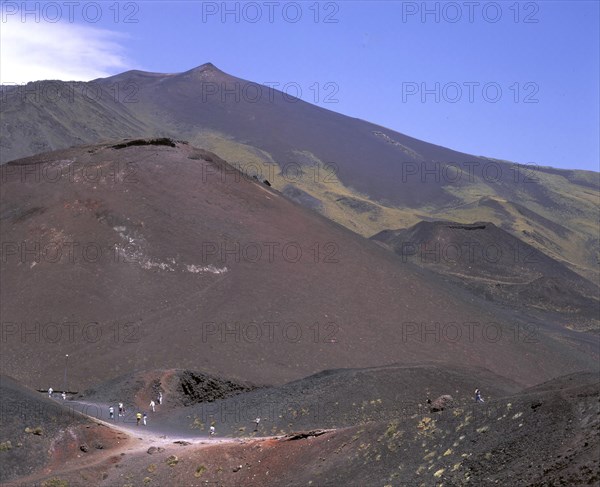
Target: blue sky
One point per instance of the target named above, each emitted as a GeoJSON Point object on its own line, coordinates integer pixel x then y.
{"type": "Point", "coordinates": [371, 60]}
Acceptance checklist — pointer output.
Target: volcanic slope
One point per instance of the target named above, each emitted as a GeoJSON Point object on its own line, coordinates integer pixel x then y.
{"type": "Point", "coordinates": [499, 266]}
{"type": "Point", "coordinates": [535, 438]}
{"type": "Point", "coordinates": [543, 436]}
{"type": "Point", "coordinates": [39, 435]}
{"type": "Point", "coordinates": [156, 254]}
{"type": "Point", "coordinates": [362, 175]}
{"type": "Point", "coordinates": [332, 399]}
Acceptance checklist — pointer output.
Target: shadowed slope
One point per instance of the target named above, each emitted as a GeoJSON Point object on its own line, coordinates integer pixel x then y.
{"type": "Point", "coordinates": [495, 264]}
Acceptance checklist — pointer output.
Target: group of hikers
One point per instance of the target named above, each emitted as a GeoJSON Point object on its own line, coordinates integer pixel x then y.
{"type": "Point", "coordinates": [51, 392]}
{"type": "Point", "coordinates": [143, 416]}
{"type": "Point", "coordinates": [140, 417]}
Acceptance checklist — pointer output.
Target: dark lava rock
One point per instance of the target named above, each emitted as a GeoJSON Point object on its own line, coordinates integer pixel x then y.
{"type": "Point", "coordinates": [441, 403]}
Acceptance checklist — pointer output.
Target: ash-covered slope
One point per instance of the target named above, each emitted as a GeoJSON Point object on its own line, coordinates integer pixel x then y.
{"type": "Point", "coordinates": [337, 399]}
{"type": "Point", "coordinates": [153, 256]}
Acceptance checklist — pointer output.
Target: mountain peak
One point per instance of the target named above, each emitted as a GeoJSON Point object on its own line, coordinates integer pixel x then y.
{"type": "Point", "coordinates": [205, 67]}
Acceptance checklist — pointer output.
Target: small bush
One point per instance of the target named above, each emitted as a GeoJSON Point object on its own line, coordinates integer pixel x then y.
{"type": "Point", "coordinates": [199, 471]}
{"type": "Point", "coordinates": [172, 460]}
{"type": "Point", "coordinates": [6, 445]}
{"type": "Point", "coordinates": [55, 482]}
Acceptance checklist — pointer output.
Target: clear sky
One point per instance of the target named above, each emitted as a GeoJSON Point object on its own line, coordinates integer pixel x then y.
{"type": "Point", "coordinates": [511, 80]}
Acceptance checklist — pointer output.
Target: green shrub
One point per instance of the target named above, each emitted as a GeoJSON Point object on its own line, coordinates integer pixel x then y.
{"type": "Point", "coordinates": [199, 471]}
{"type": "Point", "coordinates": [172, 461]}
{"type": "Point", "coordinates": [6, 445]}
{"type": "Point", "coordinates": [55, 482]}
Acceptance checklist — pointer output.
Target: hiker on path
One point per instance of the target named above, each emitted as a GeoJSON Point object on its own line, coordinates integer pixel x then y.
{"type": "Point", "coordinates": [478, 397]}
{"type": "Point", "coordinates": [152, 406]}
{"type": "Point", "coordinates": [111, 412]}
{"type": "Point", "coordinates": [212, 431]}
{"type": "Point", "coordinates": [145, 418]}
{"type": "Point", "coordinates": [50, 391]}
{"type": "Point", "coordinates": [256, 422]}
{"type": "Point", "coordinates": [138, 418]}
{"type": "Point", "coordinates": [64, 396]}
{"type": "Point", "coordinates": [160, 398]}
{"type": "Point", "coordinates": [121, 409]}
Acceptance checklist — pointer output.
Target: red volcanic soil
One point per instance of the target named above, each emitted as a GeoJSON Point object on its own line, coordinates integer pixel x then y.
{"type": "Point", "coordinates": [152, 256]}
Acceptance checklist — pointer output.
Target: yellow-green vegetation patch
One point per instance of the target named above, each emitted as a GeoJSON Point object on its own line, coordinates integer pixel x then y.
{"type": "Point", "coordinates": [152, 468]}
{"type": "Point", "coordinates": [429, 456]}
{"type": "Point", "coordinates": [55, 482]}
{"type": "Point", "coordinates": [199, 471]}
{"type": "Point", "coordinates": [426, 425]}
{"type": "Point", "coordinates": [172, 460]}
{"type": "Point", "coordinates": [6, 445]}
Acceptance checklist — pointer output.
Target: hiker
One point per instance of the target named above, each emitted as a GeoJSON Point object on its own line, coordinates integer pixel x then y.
{"type": "Point", "coordinates": [212, 431]}
{"type": "Point", "coordinates": [138, 417]}
{"type": "Point", "coordinates": [160, 398]}
{"type": "Point", "coordinates": [145, 418]}
{"type": "Point", "coordinates": [64, 396]}
{"type": "Point", "coordinates": [111, 412]}
{"type": "Point", "coordinates": [50, 391]}
{"type": "Point", "coordinates": [152, 405]}
{"type": "Point", "coordinates": [478, 397]}
{"type": "Point", "coordinates": [121, 410]}
{"type": "Point", "coordinates": [256, 422]}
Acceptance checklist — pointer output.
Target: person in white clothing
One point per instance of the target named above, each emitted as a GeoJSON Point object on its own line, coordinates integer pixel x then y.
{"type": "Point", "coordinates": [152, 406]}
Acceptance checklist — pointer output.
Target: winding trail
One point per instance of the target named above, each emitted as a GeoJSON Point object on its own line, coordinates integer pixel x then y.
{"type": "Point", "coordinates": [153, 432]}
{"type": "Point", "coordinates": [138, 440]}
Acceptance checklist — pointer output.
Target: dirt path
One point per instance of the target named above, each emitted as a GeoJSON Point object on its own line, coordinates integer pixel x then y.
{"type": "Point", "coordinates": [154, 429]}
{"type": "Point", "coordinates": [137, 440]}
